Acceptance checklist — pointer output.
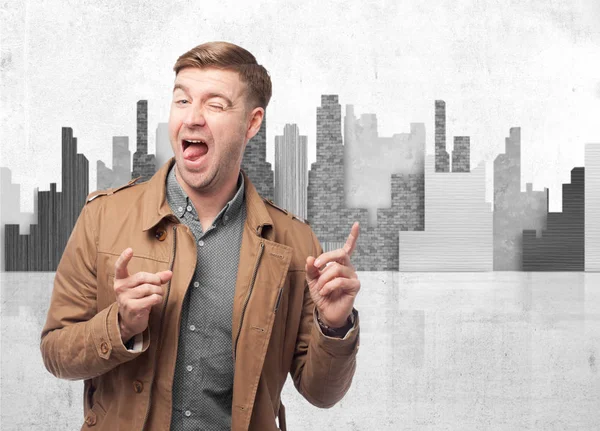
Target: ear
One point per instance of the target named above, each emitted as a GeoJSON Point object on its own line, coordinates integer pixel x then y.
{"type": "Point", "coordinates": [256, 117]}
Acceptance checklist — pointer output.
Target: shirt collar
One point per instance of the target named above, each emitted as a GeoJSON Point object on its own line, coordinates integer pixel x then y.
{"type": "Point", "coordinates": [180, 202]}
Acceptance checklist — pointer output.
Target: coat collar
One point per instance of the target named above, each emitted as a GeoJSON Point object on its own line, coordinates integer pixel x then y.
{"type": "Point", "coordinates": [156, 207]}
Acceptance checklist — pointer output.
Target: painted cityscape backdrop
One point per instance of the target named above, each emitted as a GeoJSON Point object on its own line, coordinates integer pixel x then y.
{"type": "Point", "coordinates": [418, 212]}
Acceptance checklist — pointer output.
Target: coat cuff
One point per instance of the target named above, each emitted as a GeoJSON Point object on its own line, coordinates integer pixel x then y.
{"type": "Point", "coordinates": [107, 336]}
{"type": "Point", "coordinates": [334, 345]}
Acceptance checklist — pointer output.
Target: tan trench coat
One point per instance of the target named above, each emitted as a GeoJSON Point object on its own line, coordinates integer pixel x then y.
{"type": "Point", "coordinates": [273, 326]}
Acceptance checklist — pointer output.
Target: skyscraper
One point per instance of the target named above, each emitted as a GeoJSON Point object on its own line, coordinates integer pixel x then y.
{"type": "Point", "coordinates": [461, 155]}
{"type": "Point", "coordinates": [514, 211]}
{"type": "Point", "coordinates": [592, 207]}
{"type": "Point", "coordinates": [144, 164]}
{"type": "Point", "coordinates": [291, 170]}
{"type": "Point", "coordinates": [255, 162]}
{"type": "Point", "coordinates": [442, 159]}
{"type": "Point", "coordinates": [163, 145]}
{"type": "Point", "coordinates": [75, 186]}
{"type": "Point", "coordinates": [327, 212]}
{"type": "Point", "coordinates": [121, 161]}
{"type": "Point", "coordinates": [561, 247]}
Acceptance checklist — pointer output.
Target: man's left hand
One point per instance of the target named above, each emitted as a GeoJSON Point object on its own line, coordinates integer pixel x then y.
{"type": "Point", "coordinates": [333, 282]}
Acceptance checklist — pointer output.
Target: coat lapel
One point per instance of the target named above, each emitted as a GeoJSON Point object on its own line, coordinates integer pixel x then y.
{"type": "Point", "coordinates": [262, 271]}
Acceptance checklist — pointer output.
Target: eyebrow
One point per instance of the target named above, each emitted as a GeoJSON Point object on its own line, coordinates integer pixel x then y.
{"type": "Point", "coordinates": [182, 87]}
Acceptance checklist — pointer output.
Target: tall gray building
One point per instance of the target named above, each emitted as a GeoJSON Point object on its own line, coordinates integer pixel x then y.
{"type": "Point", "coordinates": [291, 170]}
{"type": "Point", "coordinates": [461, 155]}
{"type": "Point", "coordinates": [144, 164]}
{"type": "Point", "coordinates": [163, 145]}
{"type": "Point", "coordinates": [327, 212]}
{"type": "Point", "coordinates": [255, 162]}
{"type": "Point", "coordinates": [121, 161]}
{"type": "Point", "coordinates": [592, 207]}
{"type": "Point", "coordinates": [514, 211]}
{"type": "Point", "coordinates": [442, 159]}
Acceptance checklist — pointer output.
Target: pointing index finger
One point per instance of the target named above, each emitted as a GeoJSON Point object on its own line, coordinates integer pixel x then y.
{"type": "Point", "coordinates": [352, 238]}
{"type": "Point", "coordinates": [121, 264]}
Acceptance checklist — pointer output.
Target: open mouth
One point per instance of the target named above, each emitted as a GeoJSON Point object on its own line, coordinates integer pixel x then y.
{"type": "Point", "coordinates": [193, 149]}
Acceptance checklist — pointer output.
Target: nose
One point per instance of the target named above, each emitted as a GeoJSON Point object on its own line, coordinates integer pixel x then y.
{"type": "Point", "coordinates": [194, 116]}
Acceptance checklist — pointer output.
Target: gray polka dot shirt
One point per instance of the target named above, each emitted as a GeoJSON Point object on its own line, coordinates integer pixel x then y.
{"type": "Point", "coordinates": [203, 382]}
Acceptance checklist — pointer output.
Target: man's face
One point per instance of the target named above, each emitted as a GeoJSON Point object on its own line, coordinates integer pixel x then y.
{"type": "Point", "coordinates": [209, 125]}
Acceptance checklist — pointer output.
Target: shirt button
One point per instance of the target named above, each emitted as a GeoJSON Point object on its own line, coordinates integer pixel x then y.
{"type": "Point", "coordinates": [189, 208]}
{"type": "Point", "coordinates": [201, 243]}
{"type": "Point", "coordinates": [226, 217]}
{"type": "Point", "coordinates": [192, 328]}
{"type": "Point", "coordinates": [196, 284]}
{"type": "Point", "coordinates": [189, 368]}
{"type": "Point", "coordinates": [188, 413]}
{"type": "Point", "coordinates": [180, 209]}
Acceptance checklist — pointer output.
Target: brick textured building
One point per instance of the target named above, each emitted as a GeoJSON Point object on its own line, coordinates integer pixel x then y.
{"type": "Point", "coordinates": [377, 247]}
{"type": "Point", "coordinates": [442, 159]}
{"type": "Point", "coordinates": [144, 164]}
{"type": "Point", "coordinates": [255, 162]}
{"type": "Point", "coordinates": [461, 155]}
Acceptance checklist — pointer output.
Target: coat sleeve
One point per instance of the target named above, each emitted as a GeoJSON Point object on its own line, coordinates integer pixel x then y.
{"type": "Point", "coordinates": [78, 341]}
{"type": "Point", "coordinates": [323, 367]}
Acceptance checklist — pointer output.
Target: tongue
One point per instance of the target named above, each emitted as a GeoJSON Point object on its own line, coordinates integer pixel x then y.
{"type": "Point", "coordinates": [194, 151]}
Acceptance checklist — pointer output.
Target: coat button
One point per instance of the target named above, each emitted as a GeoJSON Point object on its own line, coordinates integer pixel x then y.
{"type": "Point", "coordinates": [160, 234]}
{"type": "Point", "coordinates": [138, 386]}
{"type": "Point", "coordinates": [104, 348]}
{"type": "Point", "coordinates": [90, 419]}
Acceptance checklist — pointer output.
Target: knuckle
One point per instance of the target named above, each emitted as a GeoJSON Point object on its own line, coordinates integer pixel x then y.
{"type": "Point", "coordinates": [118, 288]}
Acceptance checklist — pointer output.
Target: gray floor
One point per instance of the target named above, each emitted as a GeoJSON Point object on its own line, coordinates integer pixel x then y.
{"type": "Point", "coordinates": [439, 351]}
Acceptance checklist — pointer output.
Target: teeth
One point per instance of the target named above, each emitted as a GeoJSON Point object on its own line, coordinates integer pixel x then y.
{"type": "Point", "coordinates": [193, 142]}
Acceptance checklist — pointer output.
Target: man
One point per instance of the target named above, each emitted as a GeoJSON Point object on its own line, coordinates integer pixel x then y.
{"type": "Point", "coordinates": [184, 301]}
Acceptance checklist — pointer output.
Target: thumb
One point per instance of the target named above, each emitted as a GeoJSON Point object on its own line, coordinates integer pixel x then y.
{"type": "Point", "coordinates": [312, 272]}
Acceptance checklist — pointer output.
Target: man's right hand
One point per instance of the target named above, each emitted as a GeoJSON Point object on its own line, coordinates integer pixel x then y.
{"type": "Point", "coordinates": [136, 295]}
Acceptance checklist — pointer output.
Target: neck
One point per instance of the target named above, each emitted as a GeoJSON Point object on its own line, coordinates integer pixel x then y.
{"type": "Point", "coordinates": [209, 202]}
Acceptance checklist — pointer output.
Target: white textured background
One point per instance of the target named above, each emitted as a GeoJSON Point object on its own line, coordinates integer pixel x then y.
{"type": "Point", "coordinates": [84, 64]}
{"type": "Point", "coordinates": [457, 351]}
